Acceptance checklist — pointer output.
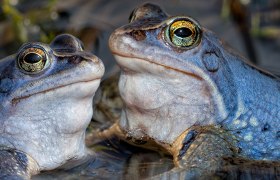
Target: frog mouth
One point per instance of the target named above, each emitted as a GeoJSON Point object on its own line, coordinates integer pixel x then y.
{"type": "Point", "coordinates": [93, 84]}
{"type": "Point", "coordinates": [125, 62]}
{"type": "Point", "coordinates": [163, 67]}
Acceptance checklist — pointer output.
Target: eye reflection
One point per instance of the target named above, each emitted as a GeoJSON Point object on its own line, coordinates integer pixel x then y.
{"type": "Point", "coordinates": [183, 33]}
{"type": "Point", "coordinates": [32, 60]}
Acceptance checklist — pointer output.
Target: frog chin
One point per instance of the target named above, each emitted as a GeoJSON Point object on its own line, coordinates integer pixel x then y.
{"type": "Point", "coordinates": [51, 126]}
{"type": "Point", "coordinates": [162, 102]}
{"type": "Point", "coordinates": [64, 88]}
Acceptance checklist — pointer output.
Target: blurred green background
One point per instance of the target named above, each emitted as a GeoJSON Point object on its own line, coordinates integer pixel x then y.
{"type": "Point", "coordinates": [250, 26]}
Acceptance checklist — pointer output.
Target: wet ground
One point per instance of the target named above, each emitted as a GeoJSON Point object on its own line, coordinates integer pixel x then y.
{"type": "Point", "coordinates": [254, 31]}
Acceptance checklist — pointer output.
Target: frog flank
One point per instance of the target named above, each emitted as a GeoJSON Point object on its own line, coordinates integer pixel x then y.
{"type": "Point", "coordinates": [176, 74]}
{"type": "Point", "coordinates": [46, 94]}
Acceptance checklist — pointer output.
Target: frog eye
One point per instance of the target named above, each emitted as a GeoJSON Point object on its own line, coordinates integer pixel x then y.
{"type": "Point", "coordinates": [32, 60]}
{"type": "Point", "coordinates": [183, 33]}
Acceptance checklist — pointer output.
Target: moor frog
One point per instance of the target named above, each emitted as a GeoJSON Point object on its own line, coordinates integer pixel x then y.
{"type": "Point", "coordinates": [179, 82]}
{"type": "Point", "coordinates": [46, 94]}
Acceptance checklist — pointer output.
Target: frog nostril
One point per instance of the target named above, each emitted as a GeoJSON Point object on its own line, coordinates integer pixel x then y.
{"type": "Point", "coordinates": [138, 35]}
{"type": "Point", "coordinates": [75, 59]}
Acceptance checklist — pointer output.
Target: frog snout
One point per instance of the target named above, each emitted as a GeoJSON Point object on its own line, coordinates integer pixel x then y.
{"type": "Point", "coordinates": [138, 35]}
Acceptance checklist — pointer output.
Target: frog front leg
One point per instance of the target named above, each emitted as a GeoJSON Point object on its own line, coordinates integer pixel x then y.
{"type": "Point", "coordinates": [101, 135]}
{"type": "Point", "coordinates": [15, 164]}
{"type": "Point", "coordinates": [203, 147]}
{"type": "Point", "coordinates": [212, 153]}
{"type": "Point", "coordinates": [200, 152]}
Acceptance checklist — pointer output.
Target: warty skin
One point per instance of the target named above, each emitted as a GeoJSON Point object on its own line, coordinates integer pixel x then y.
{"type": "Point", "coordinates": [168, 89]}
{"type": "Point", "coordinates": [45, 114]}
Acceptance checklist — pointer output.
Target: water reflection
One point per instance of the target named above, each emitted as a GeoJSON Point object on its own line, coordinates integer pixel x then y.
{"type": "Point", "coordinates": [115, 159]}
{"type": "Point", "coordinates": [118, 160]}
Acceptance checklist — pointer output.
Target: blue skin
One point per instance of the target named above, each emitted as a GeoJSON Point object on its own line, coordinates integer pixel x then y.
{"type": "Point", "coordinates": [244, 100]}
{"type": "Point", "coordinates": [44, 114]}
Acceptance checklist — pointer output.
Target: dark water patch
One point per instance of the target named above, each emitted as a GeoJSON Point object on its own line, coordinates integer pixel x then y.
{"type": "Point", "coordinates": [115, 159]}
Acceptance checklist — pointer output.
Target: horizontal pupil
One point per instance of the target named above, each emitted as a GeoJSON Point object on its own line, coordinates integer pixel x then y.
{"type": "Point", "coordinates": [183, 32]}
{"type": "Point", "coordinates": [32, 58]}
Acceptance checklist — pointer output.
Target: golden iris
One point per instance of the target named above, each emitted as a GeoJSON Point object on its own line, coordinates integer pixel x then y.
{"type": "Point", "coordinates": [183, 33]}
{"type": "Point", "coordinates": [32, 60]}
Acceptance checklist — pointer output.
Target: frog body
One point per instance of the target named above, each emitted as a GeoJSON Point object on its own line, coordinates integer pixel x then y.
{"type": "Point", "coordinates": [176, 74]}
{"type": "Point", "coordinates": [46, 94]}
